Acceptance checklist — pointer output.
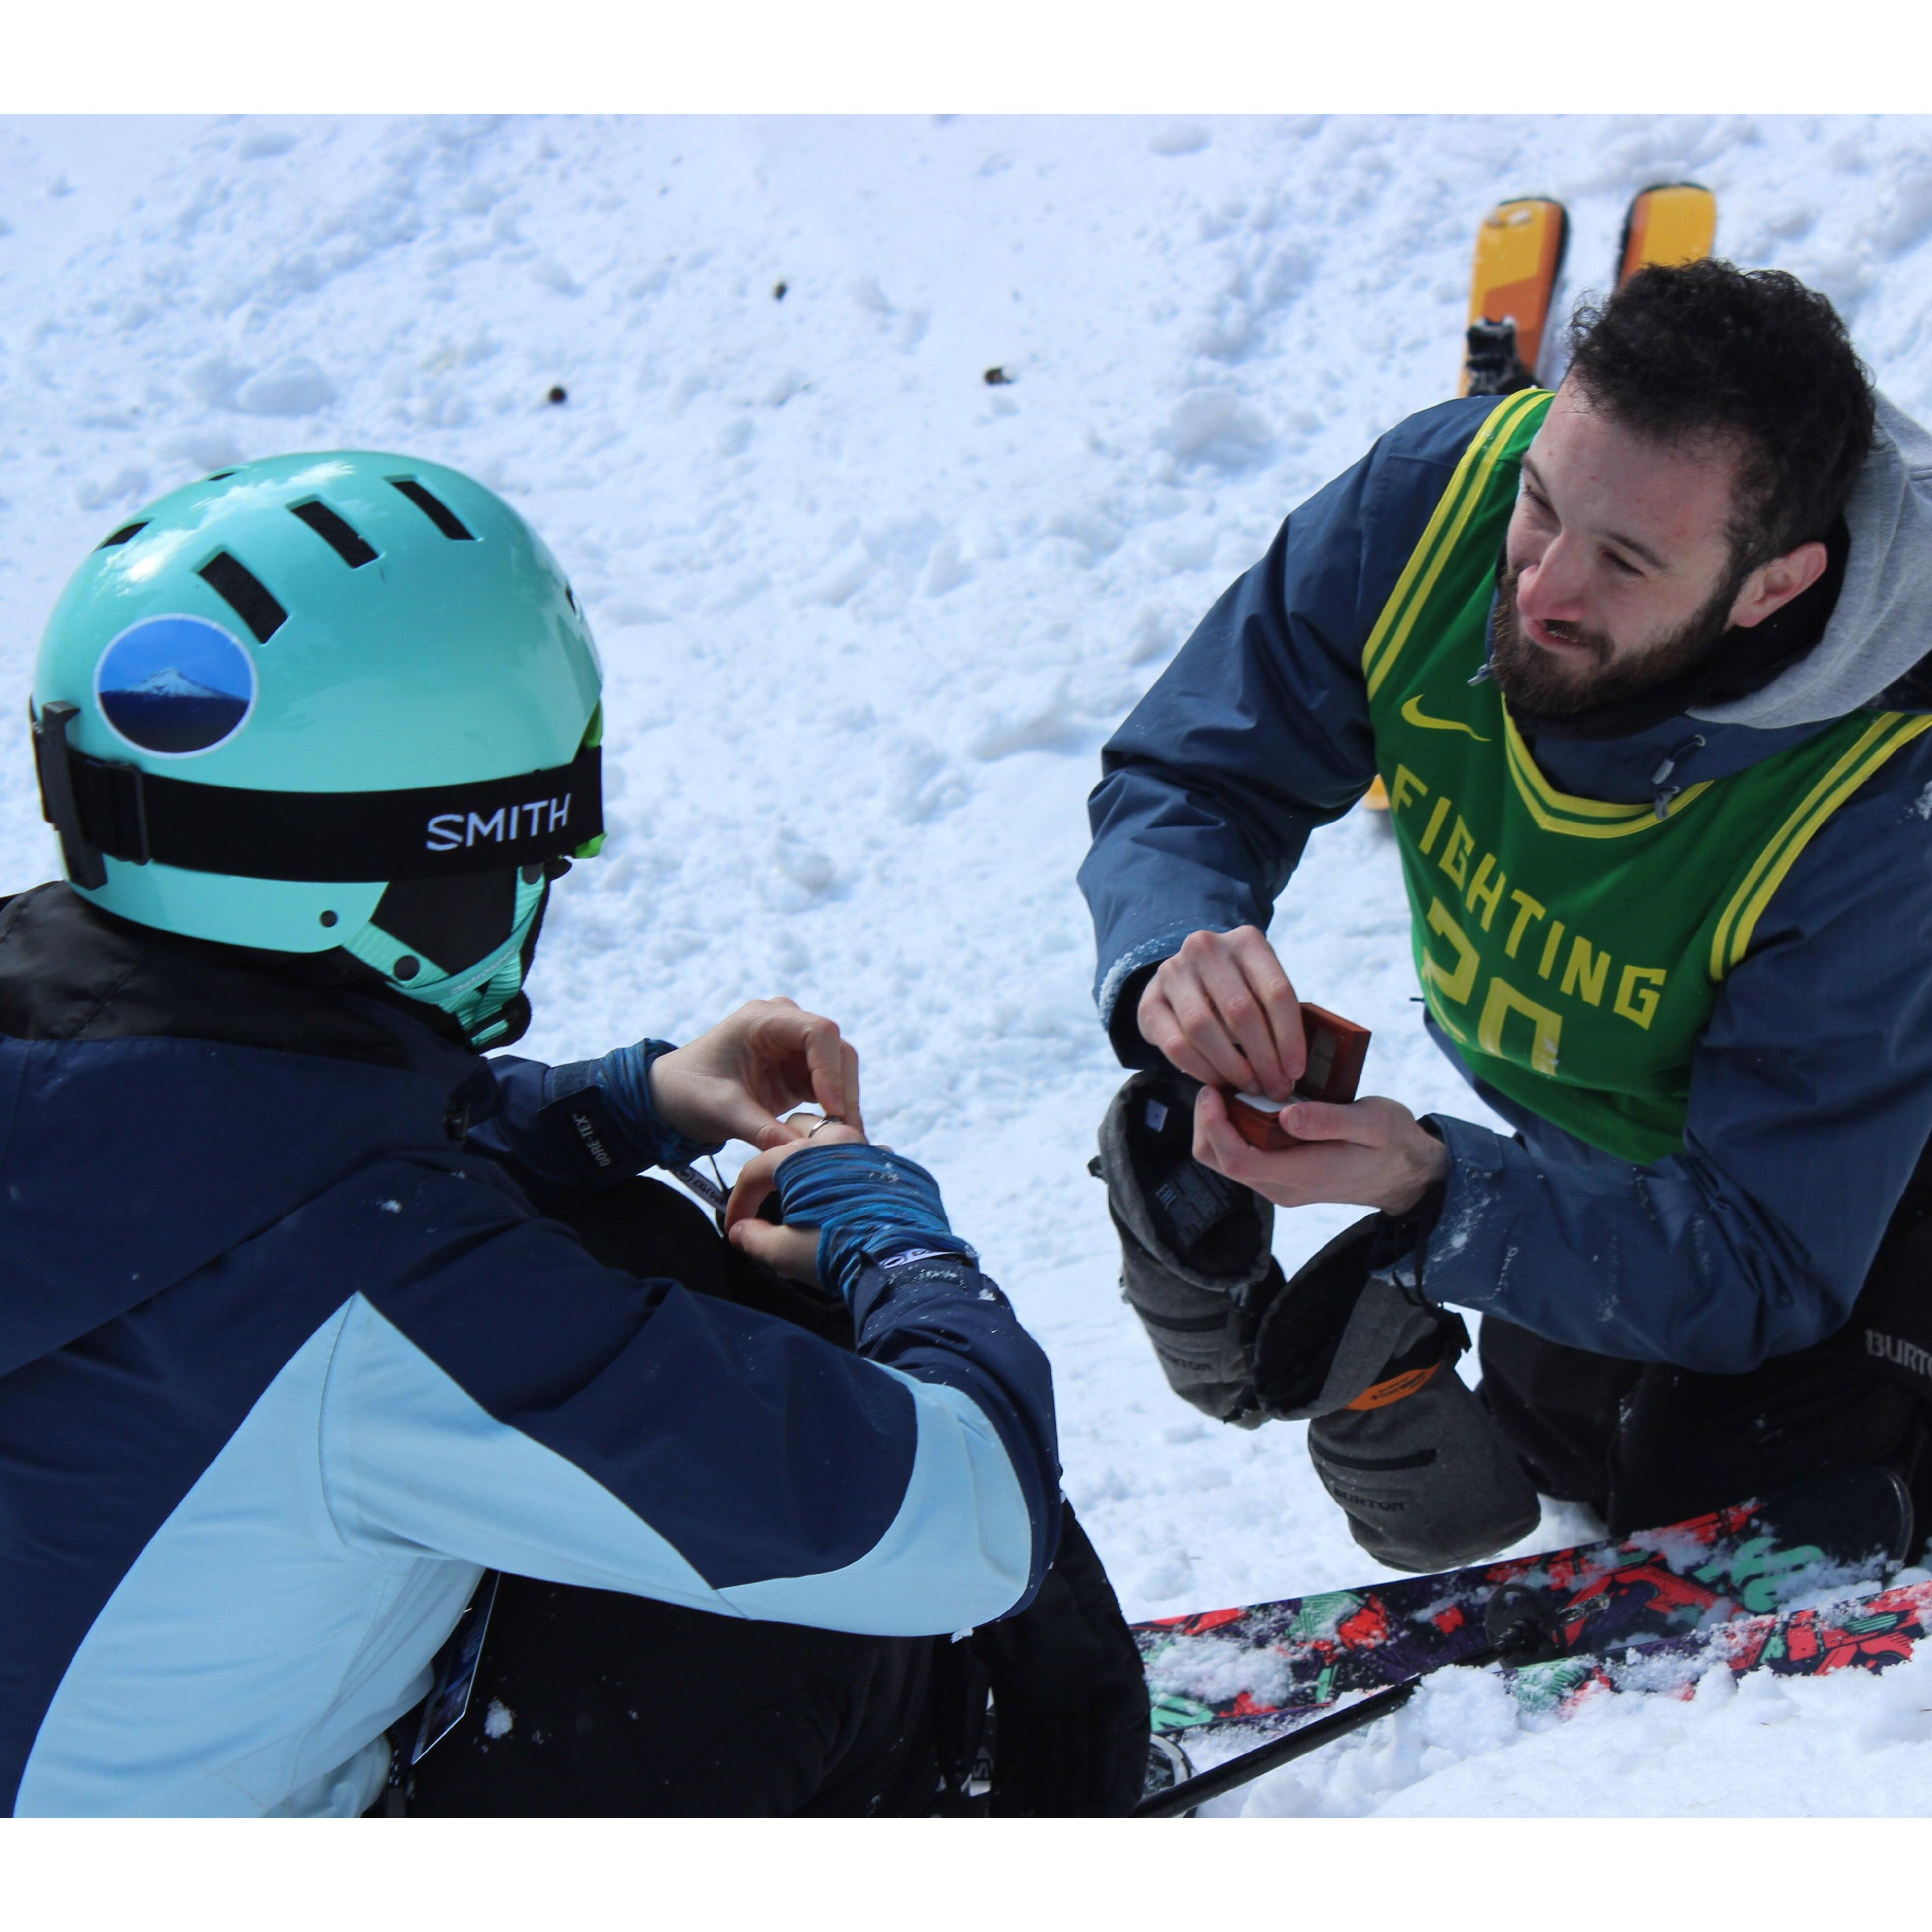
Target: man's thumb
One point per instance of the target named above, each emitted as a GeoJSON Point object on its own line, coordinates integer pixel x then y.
{"type": "Point", "coordinates": [1318, 1120]}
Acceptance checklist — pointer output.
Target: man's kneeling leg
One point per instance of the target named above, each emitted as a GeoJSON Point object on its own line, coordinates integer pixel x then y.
{"type": "Point", "coordinates": [1648, 1444]}
{"type": "Point", "coordinates": [1687, 1443]}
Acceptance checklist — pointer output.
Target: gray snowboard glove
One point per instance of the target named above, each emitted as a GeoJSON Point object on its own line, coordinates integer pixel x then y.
{"type": "Point", "coordinates": [1398, 1438]}
{"type": "Point", "coordinates": [1194, 1245]}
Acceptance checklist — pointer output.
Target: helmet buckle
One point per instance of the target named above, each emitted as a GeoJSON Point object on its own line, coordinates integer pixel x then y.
{"type": "Point", "coordinates": [59, 806]}
{"type": "Point", "coordinates": [116, 800]}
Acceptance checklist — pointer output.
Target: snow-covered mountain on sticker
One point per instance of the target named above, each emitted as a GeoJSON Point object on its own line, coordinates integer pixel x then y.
{"type": "Point", "coordinates": [170, 683]}
{"type": "Point", "coordinates": [169, 712]}
{"type": "Point", "coordinates": [175, 684]}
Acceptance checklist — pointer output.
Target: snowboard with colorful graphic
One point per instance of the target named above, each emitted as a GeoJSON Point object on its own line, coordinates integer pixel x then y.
{"type": "Point", "coordinates": [1276, 1664]}
{"type": "Point", "coordinates": [1869, 1633]}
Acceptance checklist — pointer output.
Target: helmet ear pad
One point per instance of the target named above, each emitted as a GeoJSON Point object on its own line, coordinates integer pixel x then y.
{"type": "Point", "coordinates": [453, 921]}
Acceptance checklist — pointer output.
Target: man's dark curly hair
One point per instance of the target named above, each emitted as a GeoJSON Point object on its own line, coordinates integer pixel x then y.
{"type": "Point", "coordinates": [1756, 358]}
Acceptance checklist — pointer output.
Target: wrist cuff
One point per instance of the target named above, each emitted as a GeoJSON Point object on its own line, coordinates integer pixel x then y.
{"type": "Point", "coordinates": [625, 1077]}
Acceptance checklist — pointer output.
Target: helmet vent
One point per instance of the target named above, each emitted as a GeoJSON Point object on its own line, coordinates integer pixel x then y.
{"type": "Point", "coordinates": [438, 512]}
{"type": "Point", "coordinates": [246, 593]}
{"type": "Point", "coordinates": [341, 537]}
{"type": "Point", "coordinates": [121, 536]}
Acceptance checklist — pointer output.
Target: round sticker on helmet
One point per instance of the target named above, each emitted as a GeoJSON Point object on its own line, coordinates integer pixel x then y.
{"type": "Point", "coordinates": [175, 686]}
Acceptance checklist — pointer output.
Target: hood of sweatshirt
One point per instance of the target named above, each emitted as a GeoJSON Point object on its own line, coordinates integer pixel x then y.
{"type": "Point", "coordinates": [1880, 629]}
{"type": "Point", "coordinates": [1875, 649]}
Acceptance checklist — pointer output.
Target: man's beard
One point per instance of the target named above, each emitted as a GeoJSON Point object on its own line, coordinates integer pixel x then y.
{"type": "Point", "coordinates": [1536, 682]}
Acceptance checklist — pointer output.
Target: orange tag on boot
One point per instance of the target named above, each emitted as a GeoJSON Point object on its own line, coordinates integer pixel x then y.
{"type": "Point", "coordinates": [1380, 1395]}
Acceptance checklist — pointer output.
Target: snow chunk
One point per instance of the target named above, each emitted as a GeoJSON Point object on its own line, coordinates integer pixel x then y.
{"type": "Point", "coordinates": [294, 387]}
{"type": "Point", "coordinates": [1183, 137]}
{"type": "Point", "coordinates": [1216, 428]}
{"type": "Point", "coordinates": [499, 1721]}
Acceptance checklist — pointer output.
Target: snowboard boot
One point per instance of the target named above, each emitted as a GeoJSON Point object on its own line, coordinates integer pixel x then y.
{"type": "Point", "coordinates": [1194, 1245]}
{"type": "Point", "coordinates": [1397, 1437]}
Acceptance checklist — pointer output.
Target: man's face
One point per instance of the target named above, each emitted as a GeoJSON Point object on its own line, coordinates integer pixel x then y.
{"type": "Point", "coordinates": [1620, 569]}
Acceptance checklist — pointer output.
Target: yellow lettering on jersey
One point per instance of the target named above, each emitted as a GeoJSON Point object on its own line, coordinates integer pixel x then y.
{"type": "Point", "coordinates": [1548, 963]}
{"type": "Point", "coordinates": [1502, 1000]}
{"type": "Point", "coordinates": [1531, 910]}
{"type": "Point", "coordinates": [1586, 970]}
{"type": "Point", "coordinates": [1635, 999]}
{"type": "Point", "coordinates": [1487, 894]}
{"type": "Point", "coordinates": [1434, 826]}
{"type": "Point", "coordinates": [1459, 985]}
{"type": "Point", "coordinates": [1406, 786]}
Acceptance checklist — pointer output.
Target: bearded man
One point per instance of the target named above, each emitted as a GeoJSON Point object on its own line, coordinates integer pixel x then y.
{"type": "Point", "coordinates": [1639, 665]}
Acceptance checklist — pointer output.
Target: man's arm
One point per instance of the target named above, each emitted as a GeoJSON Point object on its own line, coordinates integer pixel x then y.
{"type": "Point", "coordinates": [1259, 730]}
{"type": "Point", "coordinates": [1811, 1104]}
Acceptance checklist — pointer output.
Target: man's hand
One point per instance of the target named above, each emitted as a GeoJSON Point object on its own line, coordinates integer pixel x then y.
{"type": "Point", "coordinates": [733, 1082]}
{"type": "Point", "coordinates": [1372, 1154]}
{"type": "Point", "coordinates": [1223, 1011]}
{"type": "Point", "coordinates": [791, 1252]}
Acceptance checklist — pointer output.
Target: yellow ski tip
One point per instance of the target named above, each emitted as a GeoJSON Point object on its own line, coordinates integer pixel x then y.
{"type": "Point", "coordinates": [1518, 254]}
{"type": "Point", "coordinates": [1377, 798]}
{"type": "Point", "coordinates": [1672, 224]}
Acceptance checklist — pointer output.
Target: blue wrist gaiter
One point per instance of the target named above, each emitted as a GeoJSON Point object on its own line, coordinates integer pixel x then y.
{"type": "Point", "coordinates": [625, 1075]}
{"type": "Point", "coordinates": [867, 1205]}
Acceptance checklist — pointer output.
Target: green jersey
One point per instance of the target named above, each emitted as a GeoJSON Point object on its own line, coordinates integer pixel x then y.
{"type": "Point", "coordinates": [1571, 948]}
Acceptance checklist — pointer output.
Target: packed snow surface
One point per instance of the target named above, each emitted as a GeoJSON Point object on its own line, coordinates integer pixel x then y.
{"type": "Point", "coordinates": [895, 458]}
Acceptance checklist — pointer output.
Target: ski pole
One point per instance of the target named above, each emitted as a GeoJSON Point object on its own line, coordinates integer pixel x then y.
{"type": "Point", "coordinates": [1183, 1797]}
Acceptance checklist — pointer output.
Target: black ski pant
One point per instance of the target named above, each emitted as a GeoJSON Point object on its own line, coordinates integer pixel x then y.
{"type": "Point", "coordinates": [1646, 1443]}
{"type": "Point", "coordinates": [595, 1703]}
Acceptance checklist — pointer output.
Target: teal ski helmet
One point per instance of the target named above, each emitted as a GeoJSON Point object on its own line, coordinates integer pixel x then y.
{"type": "Point", "coordinates": [344, 700]}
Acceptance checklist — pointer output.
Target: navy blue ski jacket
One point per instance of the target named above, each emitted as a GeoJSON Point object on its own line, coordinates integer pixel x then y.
{"type": "Point", "coordinates": [288, 1355]}
{"type": "Point", "coordinates": [1811, 1091]}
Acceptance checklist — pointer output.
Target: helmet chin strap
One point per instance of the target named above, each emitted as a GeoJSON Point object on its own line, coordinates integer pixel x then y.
{"type": "Point", "coordinates": [476, 997]}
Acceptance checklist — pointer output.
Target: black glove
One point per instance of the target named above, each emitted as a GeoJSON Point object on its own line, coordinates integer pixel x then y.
{"type": "Point", "coordinates": [1398, 1438]}
{"type": "Point", "coordinates": [1070, 1702]}
{"type": "Point", "coordinates": [1194, 1245]}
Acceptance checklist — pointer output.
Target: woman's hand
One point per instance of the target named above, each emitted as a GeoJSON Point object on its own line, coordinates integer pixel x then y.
{"type": "Point", "coordinates": [733, 1082]}
{"type": "Point", "coordinates": [791, 1252]}
{"type": "Point", "coordinates": [1371, 1153]}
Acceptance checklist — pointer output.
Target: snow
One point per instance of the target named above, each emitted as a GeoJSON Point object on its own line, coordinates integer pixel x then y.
{"type": "Point", "coordinates": [866, 618]}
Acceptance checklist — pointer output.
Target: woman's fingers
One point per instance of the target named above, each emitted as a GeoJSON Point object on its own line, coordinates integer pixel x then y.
{"type": "Point", "coordinates": [792, 1251]}
{"type": "Point", "coordinates": [853, 1110]}
{"type": "Point", "coordinates": [757, 1177]}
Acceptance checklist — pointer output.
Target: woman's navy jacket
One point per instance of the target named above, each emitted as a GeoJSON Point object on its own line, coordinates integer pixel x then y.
{"type": "Point", "coordinates": [288, 1355]}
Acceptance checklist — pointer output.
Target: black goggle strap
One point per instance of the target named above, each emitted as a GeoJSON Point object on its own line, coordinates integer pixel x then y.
{"type": "Point", "coordinates": [432, 831]}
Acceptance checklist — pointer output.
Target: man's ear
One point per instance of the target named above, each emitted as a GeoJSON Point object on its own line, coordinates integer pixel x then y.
{"type": "Point", "coordinates": [1773, 585]}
